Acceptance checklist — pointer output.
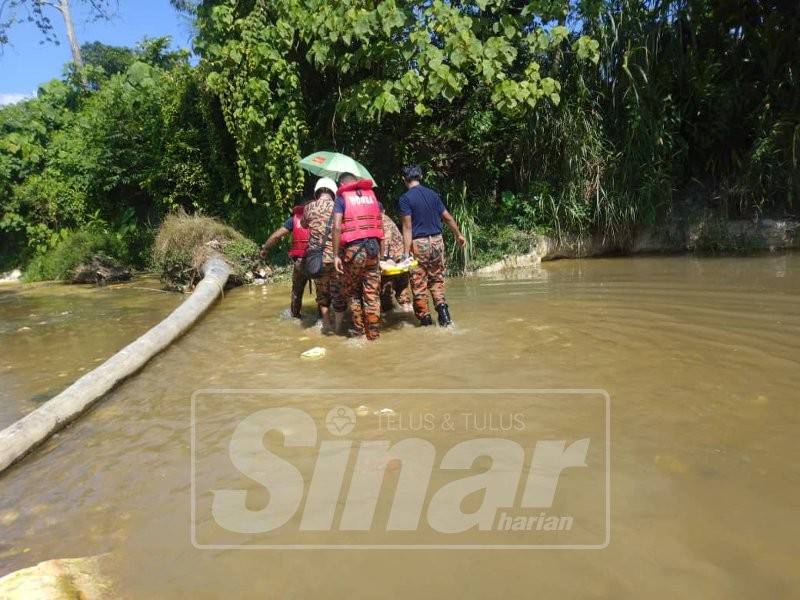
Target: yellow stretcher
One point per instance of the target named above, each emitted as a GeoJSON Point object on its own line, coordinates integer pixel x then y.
{"type": "Point", "coordinates": [389, 267]}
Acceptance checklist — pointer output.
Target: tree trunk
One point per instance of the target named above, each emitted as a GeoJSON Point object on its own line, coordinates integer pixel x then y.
{"type": "Point", "coordinates": [18, 439]}
{"type": "Point", "coordinates": [63, 7]}
{"type": "Point", "coordinates": [74, 45]}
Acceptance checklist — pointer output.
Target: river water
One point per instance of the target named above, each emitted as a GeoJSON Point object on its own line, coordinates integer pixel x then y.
{"type": "Point", "coordinates": [698, 356]}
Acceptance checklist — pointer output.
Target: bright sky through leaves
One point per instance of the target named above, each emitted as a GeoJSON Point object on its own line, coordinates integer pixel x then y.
{"type": "Point", "coordinates": [25, 62]}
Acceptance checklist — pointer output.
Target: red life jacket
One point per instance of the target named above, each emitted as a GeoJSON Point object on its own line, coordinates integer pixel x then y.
{"type": "Point", "coordinates": [362, 212]}
{"type": "Point", "coordinates": [300, 234]}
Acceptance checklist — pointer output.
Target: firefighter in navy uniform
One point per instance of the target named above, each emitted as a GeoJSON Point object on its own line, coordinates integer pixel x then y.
{"type": "Point", "coordinates": [423, 211]}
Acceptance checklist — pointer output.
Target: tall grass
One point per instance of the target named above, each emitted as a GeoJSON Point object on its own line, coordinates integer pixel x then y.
{"type": "Point", "coordinates": [184, 242]}
{"type": "Point", "coordinates": [466, 215]}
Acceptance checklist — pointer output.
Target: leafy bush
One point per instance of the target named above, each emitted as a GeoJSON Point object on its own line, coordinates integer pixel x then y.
{"type": "Point", "coordinates": [74, 248]}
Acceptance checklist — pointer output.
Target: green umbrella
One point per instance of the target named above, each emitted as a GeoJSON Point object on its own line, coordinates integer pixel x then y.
{"type": "Point", "coordinates": [333, 164]}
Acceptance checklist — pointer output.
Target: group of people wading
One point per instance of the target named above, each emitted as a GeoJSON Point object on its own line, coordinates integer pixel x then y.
{"type": "Point", "coordinates": [341, 235]}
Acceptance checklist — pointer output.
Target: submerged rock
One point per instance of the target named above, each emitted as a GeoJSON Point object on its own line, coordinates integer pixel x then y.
{"type": "Point", "coordinates": [100, 270]}
{"type": "Point", "coordinates": [63, 578]}
{"type": "Point", "coordinates": [10, 276]}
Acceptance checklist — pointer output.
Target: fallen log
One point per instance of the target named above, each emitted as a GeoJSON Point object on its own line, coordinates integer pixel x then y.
{"type": "Point", "coordinates": [31, 430]}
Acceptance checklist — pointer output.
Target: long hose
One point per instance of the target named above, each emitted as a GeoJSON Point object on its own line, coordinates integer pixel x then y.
{"type": "Point", "coordinates": [20, 438]}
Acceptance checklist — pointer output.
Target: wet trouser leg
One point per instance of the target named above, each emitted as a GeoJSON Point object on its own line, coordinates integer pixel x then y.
{"type": "Point", "coordinates": [371, 298]}
{"type": "Point", "coordinates": [327, 285]}
{"type": "Point", "coordinates": [387, 292]}
{"type": "Point", "coordinates": [394, 286]}
{"type": "Point", "coordinates": [401, 289]}
{"type": "Point", "coordinates": [299, 281]}
{"type": "Point", "coordinates": [360, 288]}
{"type": "Point", "coordinates": [428, 276]}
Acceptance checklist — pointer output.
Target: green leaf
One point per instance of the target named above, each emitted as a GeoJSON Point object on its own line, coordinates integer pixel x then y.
{"type": "Point", "coordinates": [510, 26]}
{"type": "Point", "coordinates": [558, 34]}
{"type": "Point", "coordinates": [488, 70]}
{"type": "Point", "coordinates": [587, 48]}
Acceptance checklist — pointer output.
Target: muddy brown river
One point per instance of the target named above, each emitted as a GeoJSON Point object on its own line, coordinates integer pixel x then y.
{"type": "Point", "coordinates": [699, 473]}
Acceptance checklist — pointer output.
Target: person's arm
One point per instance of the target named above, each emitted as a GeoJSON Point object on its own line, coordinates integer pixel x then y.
{"type": "Point", "coordinates": [337, 234]}
{"type": "Point", "coordinates": [272, 240]}
{"type": "Point", "coordinates": [407, 234]}
{"type": "Point", "coordinates": [451, 223]}
{"type": "Point", "coordinates": [405, 218]}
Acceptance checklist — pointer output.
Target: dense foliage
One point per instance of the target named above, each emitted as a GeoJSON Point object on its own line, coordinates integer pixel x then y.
{"type": "Point", "coordinates": [594, 115]}
{"type": "Point", "coordinates": [126, 150]}
{"type": "Point", "coordinates": [362, 76]}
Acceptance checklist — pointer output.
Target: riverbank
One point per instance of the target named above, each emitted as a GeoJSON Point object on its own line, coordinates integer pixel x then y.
{"type": "Point", "coordinates": [706, 236]}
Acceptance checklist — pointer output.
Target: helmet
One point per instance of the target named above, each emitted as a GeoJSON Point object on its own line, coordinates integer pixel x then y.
{"type": "Point", "coordinates": [325, 183]}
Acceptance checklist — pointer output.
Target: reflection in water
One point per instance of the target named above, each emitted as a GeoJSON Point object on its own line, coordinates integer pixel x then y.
{"type": "Point", "coordinates": [700, 358]}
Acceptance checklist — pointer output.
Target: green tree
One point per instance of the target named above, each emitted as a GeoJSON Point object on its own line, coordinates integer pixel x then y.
{"type": "Point", "coordinates": [291, 75]}
{"type": "Point", "coordinates": [142, 142]}
{"type": "Point", "coordinates": [112, 59]}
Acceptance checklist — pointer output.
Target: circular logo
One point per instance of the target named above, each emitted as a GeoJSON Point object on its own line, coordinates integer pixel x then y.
{"type": "Point", "coordinates": [340, 420]}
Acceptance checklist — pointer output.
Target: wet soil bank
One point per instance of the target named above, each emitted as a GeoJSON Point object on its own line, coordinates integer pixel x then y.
{"type": "Point", "coordinates": [705, 235]}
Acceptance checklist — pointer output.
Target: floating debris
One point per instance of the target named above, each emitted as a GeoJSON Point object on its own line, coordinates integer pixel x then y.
{"type": "Point", "coordinates": [316, 352]}
{"type": "Point", "coordinates": [9, 516]}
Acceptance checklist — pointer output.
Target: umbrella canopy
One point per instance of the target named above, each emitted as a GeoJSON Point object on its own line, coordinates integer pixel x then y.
{"type": "Point", "coordinates": [333, 164]}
